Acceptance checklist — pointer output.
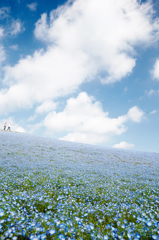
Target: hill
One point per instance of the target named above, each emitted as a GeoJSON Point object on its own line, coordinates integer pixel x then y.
{"type": "Point", "coordinates": [52, 189]}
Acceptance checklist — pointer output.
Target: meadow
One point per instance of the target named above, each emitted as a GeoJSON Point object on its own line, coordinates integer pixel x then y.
{"type": "Point", "coordinates": [52, 189]}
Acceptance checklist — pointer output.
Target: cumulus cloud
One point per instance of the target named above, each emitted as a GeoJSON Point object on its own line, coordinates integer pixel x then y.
{"type": "Point", "coordinates": [135, 114]}
{"type": "Point", "coordinates": [85, 40]}
{"type": "Point", "coordinates": [37, 79]}
{"type": "Point", "coordinates": [85, 138]}
{"type": "Point", "coordinates": [32, 6]}
{"type": "Point", "coordinates": [155, 70]}
{"type": "Point", "coordinates": [85, 121]}
{"type": "Point", "coordinates": [17, 128]}
{"type": "Point", "coordinates": [16, 27]}
{"type": "Point", "coordinates": [111, 48]}
{"type": "Point", "coordinates": [45, 107]}
{"type": "Point", "coordinates": [123, 145]}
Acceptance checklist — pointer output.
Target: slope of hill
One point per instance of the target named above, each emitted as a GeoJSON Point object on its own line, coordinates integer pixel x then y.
{"type": "Point", "coordinates": [52, 189]}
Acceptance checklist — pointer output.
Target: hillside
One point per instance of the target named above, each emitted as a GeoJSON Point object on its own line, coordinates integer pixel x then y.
{"type": "Point", "coordinates": [52, 189]}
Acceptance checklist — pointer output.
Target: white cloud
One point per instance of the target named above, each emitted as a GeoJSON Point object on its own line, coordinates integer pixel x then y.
{"type": "Point", "coordinates": [155, 70]}
{"type": "Point", "coordinates": [32, 6]}
{"type": "Point", "coordinates": [46, 107]}
{"type": "Point", "coordinates": [2, 54]}
{"type": "Point", "coordinates": [84, 138]}
{"type": "Point", "coordinates": [16, 27]}
{"type": "Point", "coordinates": [85, 121]}
{"type": "Point", "coordinates": [86, 40]}
{"type": "Point", "coordinates": [1, 32]}
{"type": "Point", "coordinates": [2, 50]}
{"type": "Point", "coordinates": [135, 114]}
{"type": "Point", "coordinates": [14, 47]}
{"type": "Point", "coordinates": [111, 47]}
{"type": "Point", "coordinates": [15, 97]}
{"type": "Point", "coordinates": [45, 76]}
{"type": "Point", "coordinates": [4, 11]}
{"type": "Point", "coordinates": [123, 145]}
{"type": "Point", "coordinates": [152, 92]}
{"type": "Point", "coordinates": [17, 128]}
{"type": "Point", "coordinates": [153, 112]}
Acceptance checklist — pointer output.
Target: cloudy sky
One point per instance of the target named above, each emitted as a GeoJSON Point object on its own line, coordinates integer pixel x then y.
{"type": "Point", "coordinates": [83, 70]}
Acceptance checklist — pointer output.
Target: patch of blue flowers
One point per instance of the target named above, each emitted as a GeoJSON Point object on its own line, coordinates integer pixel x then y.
{"type": "Point", "coordinates": [59, 190]}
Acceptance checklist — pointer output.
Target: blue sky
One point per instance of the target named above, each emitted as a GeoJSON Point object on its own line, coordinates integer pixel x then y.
{"type": "Point", "coordinates": [84, 71]}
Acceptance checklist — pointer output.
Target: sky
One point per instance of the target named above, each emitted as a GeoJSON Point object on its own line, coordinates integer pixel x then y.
{"type": "Point", "coordinates": [84, 71]}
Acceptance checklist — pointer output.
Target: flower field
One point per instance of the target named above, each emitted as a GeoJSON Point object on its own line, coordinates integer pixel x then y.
{"type": "Point", "coordinates": [52, 189]}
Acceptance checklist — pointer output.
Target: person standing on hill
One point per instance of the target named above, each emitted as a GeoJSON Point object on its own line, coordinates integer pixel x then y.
{"type": "Point", "coordinates": [5, 125]}
{"type": "Point", "coordinates": [9, 125]}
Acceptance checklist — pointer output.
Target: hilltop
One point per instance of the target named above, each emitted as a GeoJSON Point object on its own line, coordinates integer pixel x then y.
{"type": "Point", "coordinates": [18, 145]}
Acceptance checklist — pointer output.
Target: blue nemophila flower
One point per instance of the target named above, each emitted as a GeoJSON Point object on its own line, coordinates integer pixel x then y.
{"type": "Point", "coordinates": [14, 238]}
{"type": "Point", "coordinates": [138, 236]}
{"type": "Point", "coordinates": [105, 237]}
{"type": "Point", "coordinates": [23, 233]}
{"type": "Point", "coordinates": [34, 237]}
{"type": "Point", "coordinates": [123, 226]}
{"type": "Point", "coordinates": [155, 237]}
{"type": "Point", "coordinates": [149, 223]}
{"type": "Point", "coordinates": [118, 223]}
{"type": "Point", "coordinates": [108, 226]}
{"type": "Point", "coordinates": [129, 235]}
{"type": "Point", "coordinates": [52, 231]}
{"type": "Point", "coordinates": [61, 237]}
{"type": "Point", "coordinates": [43, 236]}
{"type": "Point", "coordinates": [1, 212]}
{"type": "Point", "coordinates": [1, 226]}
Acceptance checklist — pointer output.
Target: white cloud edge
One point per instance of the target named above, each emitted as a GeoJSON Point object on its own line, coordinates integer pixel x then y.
{"type": "Point", "coordinates": [16, 27]}
{"type": "Point", "coordinates": [32, 6]}
{"type": "Point", "coordinates": [14, 47]}
{"type": "Point", "coordinates": [4, 12]}
{"type": "Point", "coordinates": [124, 145]}
{"type": "Point", "coordinates": [155, 70]}
{"type": "Point", "coordinates": [153, 112]}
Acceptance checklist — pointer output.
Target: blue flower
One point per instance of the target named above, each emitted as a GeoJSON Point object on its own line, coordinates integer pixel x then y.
{"type": "Point", "coordinates": [1, 212]}
{"type": "Point", "coordinates": [61, 237]}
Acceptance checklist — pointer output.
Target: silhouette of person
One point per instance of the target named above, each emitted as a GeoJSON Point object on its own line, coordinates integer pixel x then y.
{"type": "Point", "coordinates": [5, 125]}
{"type": "Point", "coordinates": [9, 125]}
